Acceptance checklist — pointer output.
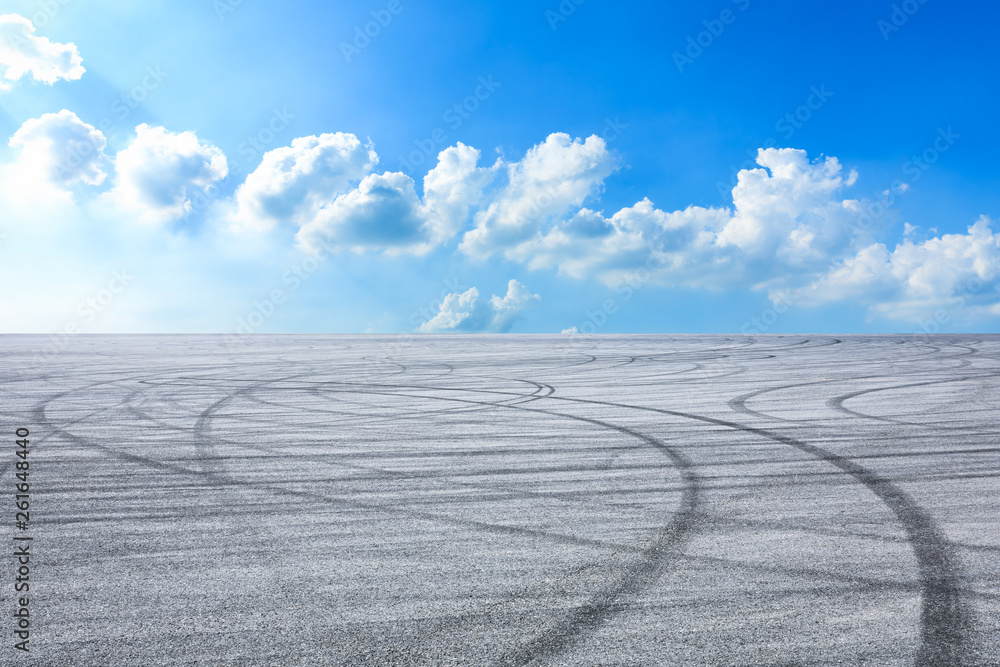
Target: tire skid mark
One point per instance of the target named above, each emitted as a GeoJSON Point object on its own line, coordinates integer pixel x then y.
{"type": "Point", "coordinates": [739, 404]}
{"type": "Point", "coordinates": [944, 619]}
{"type": "Point", "coordinates": [317, 388]}
{"type": "Point", "coordinates": [211, 479]}
{"type": "Point", "coordinates": [927, 656]}
{"type": "Point", "coordinates": [208, 457]}
{"type": "Point", "coordinates": [837, 402]}
{"type": "Point", "coordinates": [635, 577]}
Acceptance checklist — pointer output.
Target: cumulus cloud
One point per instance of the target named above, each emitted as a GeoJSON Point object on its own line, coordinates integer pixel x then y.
{"type": "Point", "coordinates": [792, 228]}
{"type": "Point", "coordinates": [789, 206]}
{"type": "Point", "coordinates": [161, 171]}
{"type": "Point", "coordinates": [62, 150]}
{"type": "Point", "coordinates": [324, 188]}
{"type": "Point", "coordinates": [508, 308]}
{"type": "Point", "coordinates": [786, 220]}
{"type": "Point", "coordinates": [293, 183]}
{"type": "Point", "coordinates": [466, 312]}
{"type": "Point", "coordinates": [22, 53]}
{"type": "Point", "coordinates": [453, 187]}
{"type": "Point", "coordinates": [383, 212]}
{"type": "Point", "coordinates": [915, 280]}
{"type": "Point", "coordinates": [553, 177]}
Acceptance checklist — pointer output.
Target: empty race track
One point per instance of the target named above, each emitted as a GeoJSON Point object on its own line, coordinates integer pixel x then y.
{"type": "Point", "coordinates": [507, 500]}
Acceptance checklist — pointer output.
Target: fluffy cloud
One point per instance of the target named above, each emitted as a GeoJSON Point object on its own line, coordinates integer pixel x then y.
{"type": "Point", "coordinates": [61, 149]}
{"type": "Point", "coordinates": [161, 171]}
{"type": "Point", "coordinates": [786, 220]}
{"type": "Point", "coordinates": [324, 188]}
{"type": "Point", "coordinates": [467, 312]}
{"type": "Point", "coordinates": [385, 213]}
{"type": "Point", "coordinates": [789, 207]}
{"type": "Point", "coordinates": [916, 280]}
{"type": "Point", "coordinates": [452, 188]}
{"type": "Point", "coordinates": [552, 178]}
{"type": "Point", "coordinates": [24, 53]}
{"type": "Point", "coordinates": [791, 229]}
{"type": "Point", "coordinates": [293, 183]}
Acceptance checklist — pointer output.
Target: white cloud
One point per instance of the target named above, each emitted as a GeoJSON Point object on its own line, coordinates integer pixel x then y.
{"type": "Point", "coordinates": [552, 179]}
{"type": "Point", "coordinates": [61, 150]}
{"type": "Point", "coordinates": [24, 53]}
{"type": "Point", "coordinates": [953, 271]}
{"type": "Point", "coordinates": [455, 310]}
{"type": "Point", "coordinates": [786, 221]}
{"type": "Point", "coordinates": [294, 182]}
{"type": "Point", "coordinates": [571, 330]}
{"type": "Point", "coordinates": [324, 188]}
{"type": "Point", "coordinates": [466, 312]}
{"type": "Point", "coordinates": [508, 308]}
{"type": "Point", "coordinates": [788, 207]}
{"type": "Point", "coordinates": [161, 171]}
{"type": "Point", "coordinates": [791, 229]}
{"type": "Point", "coordinates": [382, 213]}
{"type": "Point", "coordinates": [453, 187]}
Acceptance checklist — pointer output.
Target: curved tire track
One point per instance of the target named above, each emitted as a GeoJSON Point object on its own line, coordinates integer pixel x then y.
{"type": "Point", "coordinates": [943, 619]}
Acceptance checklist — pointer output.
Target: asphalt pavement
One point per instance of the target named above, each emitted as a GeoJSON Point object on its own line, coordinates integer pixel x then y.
{"type": "Point", "coordinates": [504, 500]}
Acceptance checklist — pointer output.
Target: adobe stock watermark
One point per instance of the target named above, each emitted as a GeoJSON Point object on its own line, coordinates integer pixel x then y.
{"type": "Point", "coordinates": [402, 341]}
{"type": "Point", "coordinates": [453, 117]}
{"type": "Point", "coordinates": [88, 310]}
{"type": "Point", "coordinates": [786, 126]}
{"type": "Point", "coordinates": [626, 288]}
{"type": "Point", "coordinates": [363, 35]}
{"type": "Point", "coordinates": [122, 107]}
{"type": "Point", "coordinates": [779, 304]}
{"type": "Point", "coordinates": [47, 11]}
{"type": "Point", "coordinates": [127, 103]}
{"type": "Point", "coordinates": [914, 168]}
{"type": "Point", "coordinates": [966, 292]}
{"type": "Point", "coordinates": [562, 13]}
{"type": "Point", "coordinates": [613, 129]}
{"type": "Point", "coordinates": [794, 121]}
{"type": "Point", "coordinates": [223, 8]}
{"type": "Point", "coordinates": [256, 144]}
{"type": "Point", "coordinates": [251, 148]}
{"type": "Point", "coordinates": [698, 43]}
{"type": "Point", "coordinates": [265, 308]}
{"type": "Point", "coordinates": [901, 13]}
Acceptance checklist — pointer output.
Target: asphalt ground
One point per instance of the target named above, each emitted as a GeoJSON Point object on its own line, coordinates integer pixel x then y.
{"type": "Point", "coordinates": [505, 500]}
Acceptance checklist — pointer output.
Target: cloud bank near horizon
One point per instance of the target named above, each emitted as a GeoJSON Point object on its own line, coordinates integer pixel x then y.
{"type": "Point", "coordinates": [792, 229]}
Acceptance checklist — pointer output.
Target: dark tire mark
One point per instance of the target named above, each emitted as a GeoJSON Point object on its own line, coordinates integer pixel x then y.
{"type": "Point", "coordinates": [837, 402]}
{"type": "Point", "coordinates": [211, 479]}
{"type": "Point", "coordinates": [635, 577]}
{"type": "Point", "coordinates": [944, 619]}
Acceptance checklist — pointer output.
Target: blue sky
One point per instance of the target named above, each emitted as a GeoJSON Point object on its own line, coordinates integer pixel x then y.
{"type": "Point", "coordinates": [248, 167]}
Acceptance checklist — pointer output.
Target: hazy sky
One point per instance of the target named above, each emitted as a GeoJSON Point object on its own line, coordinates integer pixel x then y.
{"type": "Point", "coordinates": [417, 165]}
